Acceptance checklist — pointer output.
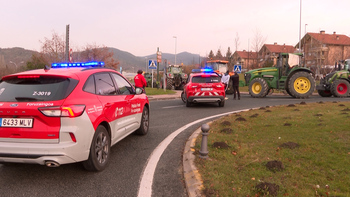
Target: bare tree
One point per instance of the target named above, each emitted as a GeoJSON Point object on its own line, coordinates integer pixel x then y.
{"type": "Point", "coordinates": [237, 42]}
{"type": "Point", "coordinates": [257, 43]}
{"type": "Point", "coordinates": [53, 49]}
{"type": "Point", "coordinates": [218, 55]}
{"type": "Point", "coordinates": [99, 53]}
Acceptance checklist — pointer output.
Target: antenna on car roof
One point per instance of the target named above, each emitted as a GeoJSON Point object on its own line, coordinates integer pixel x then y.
{"type": "Point", "coordinates": [46, 67]}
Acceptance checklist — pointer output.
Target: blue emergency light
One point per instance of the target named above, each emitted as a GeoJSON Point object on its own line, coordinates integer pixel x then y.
{"type": "Point", "coordinates": [77, 65]}
{"type": "Point", "coordinates": [203, 70]}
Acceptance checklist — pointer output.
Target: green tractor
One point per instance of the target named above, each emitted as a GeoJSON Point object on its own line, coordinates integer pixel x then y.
{"type": "Point", "coordinates": [175, 78]}
{"type": "Point", "coordinates": [148, 77]}
{"type": "Point", "coordinates": [336, 83]}
{"type": "Point", "coordinates": [287, 76]}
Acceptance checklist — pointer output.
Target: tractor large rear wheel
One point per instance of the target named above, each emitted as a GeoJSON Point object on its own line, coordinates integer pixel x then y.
{"type": "Point", "coordinates": [301, 85]}
{"type": "Point", "coordinates": [340, 88]}
{"type": "Point", "coordinates": [229, 88]}
{"type": "Point", "coordinates": [169, 84]}
{"type": "Point", "coordinates": [258, 88]}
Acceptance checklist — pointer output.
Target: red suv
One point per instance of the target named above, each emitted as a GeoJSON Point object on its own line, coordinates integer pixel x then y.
{"type": "Point", "coordinates": [203, 86]}
{"type": "Point", "coordinates": [58, 115]}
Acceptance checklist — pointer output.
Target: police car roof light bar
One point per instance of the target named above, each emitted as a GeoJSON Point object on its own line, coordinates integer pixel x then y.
{"type": "Point", "coordinates": [77, 65]}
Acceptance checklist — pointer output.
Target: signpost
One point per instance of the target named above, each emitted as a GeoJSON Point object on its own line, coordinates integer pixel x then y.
{"type": "Point", "coordinates": [152, 65]}
{"type": "Point", "coordinates": [237, 68]}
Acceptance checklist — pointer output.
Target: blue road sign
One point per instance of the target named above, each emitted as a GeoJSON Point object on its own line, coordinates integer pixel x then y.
{"type": "Point", "coordinates": [152, 64]}
{"type": "Point", "coordinates": [237, 68]}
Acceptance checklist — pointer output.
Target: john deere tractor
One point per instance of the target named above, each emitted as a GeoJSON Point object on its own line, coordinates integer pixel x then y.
{"type": "Point", "coordinates": [287, 75]}
{"type": "Point", "coordinates": [336, 83]}
{"type": "Point", "coordinates": [175, 78]}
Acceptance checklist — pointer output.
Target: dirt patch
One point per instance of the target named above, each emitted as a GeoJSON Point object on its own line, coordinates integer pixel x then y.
{"type": "Point", "coordinates": [287, 124]}
{"type": "Point", "coordinates": [335, 102]}
{"type": "Point", "coordinates": [296, 110]}
{"type": "Point", "coordinates": [321, 102]}
{"type": "Point", "coordinates": [254, 115]}
{"type": "Point", "coordinates": [347, 109]}
{"type": "Point", "coordinates": [221, 145]}
{"type": "Point", "coordinates": [226, 130]}
{"type": "Point", "coordinates": [268, 110]}
{"type": "Point", "coordinates": [290, 145]}
{"type": "Point", "coordinates": [266, 188]}
{"type": "Point", "coordinates": [345, 113]}
{"type": "Point", "coordinates": [226, 123]}
{"type": "Point", "coordinates": [274, 166]}
{"type": "Point", "coordinates": [341, 105]}
{"type": "Point", "coordinates": [241, 119]}
{"type": "Point", "coordinates": [267, 106]}
{"type": "Point", "coordinates": [303, 103]}
{"type": "Point", "coordinates": [291, 105]}
{"type": "Point", "coordinates": [262, 108]}
{"type": "Point", "coordinates": [318, 115]}
{"type": "Point", "coordinates": [210, 192]}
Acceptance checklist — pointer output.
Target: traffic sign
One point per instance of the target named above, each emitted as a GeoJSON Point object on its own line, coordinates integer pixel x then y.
{"type": "Point", "coordinates": [237, 68]}
{"type": "Point", "coordinates": [152, 64]}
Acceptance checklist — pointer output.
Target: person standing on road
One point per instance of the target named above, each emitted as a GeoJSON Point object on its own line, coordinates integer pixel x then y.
{"type": "Point", "coordinates": [140, 81]}
{"type": "Point", "coordinates": [225, 79]}
{"type": "Point", "coordinates": [235, 84]}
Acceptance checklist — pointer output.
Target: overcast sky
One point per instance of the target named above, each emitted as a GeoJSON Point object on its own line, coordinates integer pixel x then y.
{"type": "Point", "coordinates": [140, 26]}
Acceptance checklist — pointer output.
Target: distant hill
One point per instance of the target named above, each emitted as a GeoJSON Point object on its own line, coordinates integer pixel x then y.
{"type": "Point", "coordinates": [127, 61]}
{"type": "Point", "coordinates": [10, 57]}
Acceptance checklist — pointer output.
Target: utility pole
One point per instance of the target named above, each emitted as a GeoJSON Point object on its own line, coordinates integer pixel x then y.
{"type": "Point", "coordinates": [67, 43]}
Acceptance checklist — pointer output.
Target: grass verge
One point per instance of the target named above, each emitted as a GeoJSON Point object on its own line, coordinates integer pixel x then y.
{"type": "Point", "coordinates": [156, 91]}
{"type": "Point", "coordinates": [293, 150]}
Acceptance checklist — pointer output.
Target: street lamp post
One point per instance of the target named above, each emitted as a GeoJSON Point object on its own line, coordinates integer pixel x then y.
{"type": "Point", "coordinates": [175, 47]}
{"type": "Point", "coordinates": [16, 64]}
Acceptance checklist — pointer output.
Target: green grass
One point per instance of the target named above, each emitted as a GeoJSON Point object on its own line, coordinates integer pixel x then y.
{"type": "Point", "coordinates": [320, 166]}
{"type": "Point", "coordinates": [155, 91]}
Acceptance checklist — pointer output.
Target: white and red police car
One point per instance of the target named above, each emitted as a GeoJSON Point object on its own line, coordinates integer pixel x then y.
{"type": "Point", "coordinates": [203, 86]}
{"type": "Point", "coordinates": [71, 112]}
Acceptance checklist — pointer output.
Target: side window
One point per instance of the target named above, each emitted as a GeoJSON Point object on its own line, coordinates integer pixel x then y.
{"type": "Point", "coordinates": [123, 86]}
{"type": "Point", "coordinates": [104, 84]}
{"type": "Point", "coordinates": [89, 85]}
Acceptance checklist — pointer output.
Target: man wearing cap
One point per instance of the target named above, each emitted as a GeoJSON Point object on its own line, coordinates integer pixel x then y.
{"type": "Point", "coordinates": [140, 81]}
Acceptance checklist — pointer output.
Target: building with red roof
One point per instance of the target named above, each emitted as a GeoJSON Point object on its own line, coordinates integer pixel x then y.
{"type": "Point", "coordinates": [245, 58]}
{"type": "Point", "coordinates": [321, 49]}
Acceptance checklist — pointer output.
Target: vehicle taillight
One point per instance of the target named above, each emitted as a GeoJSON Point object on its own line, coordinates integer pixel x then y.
{"type": "Point", "coordinates": [63, 111]}
{"type": "Point", "coordinates": [28, 76]}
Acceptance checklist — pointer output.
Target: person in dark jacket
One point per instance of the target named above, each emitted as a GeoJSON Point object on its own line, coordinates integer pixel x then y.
{"type": "Point", "coordinates": [235, 84]}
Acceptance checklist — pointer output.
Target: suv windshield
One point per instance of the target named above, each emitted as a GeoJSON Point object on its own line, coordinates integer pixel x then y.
{"type": "Point", "coordinates": [211, 79]}
{"type": "Point", "coordinates": [36, 89]}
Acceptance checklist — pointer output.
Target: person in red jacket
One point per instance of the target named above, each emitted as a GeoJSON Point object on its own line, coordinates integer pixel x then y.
{"type": "Point", "coordinates": [140, 81]}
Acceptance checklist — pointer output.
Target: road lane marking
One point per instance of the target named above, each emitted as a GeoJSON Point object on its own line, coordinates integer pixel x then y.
{"type": "Point", "coordinates": [175, 106]}
{"type": "Point", "coordinates": [145, 188]}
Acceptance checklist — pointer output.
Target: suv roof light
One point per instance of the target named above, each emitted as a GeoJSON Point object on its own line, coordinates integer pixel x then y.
{"type": "Point", "coordinates": [203, 70]}
{"type": "Point", "coordinates": [77, 65]}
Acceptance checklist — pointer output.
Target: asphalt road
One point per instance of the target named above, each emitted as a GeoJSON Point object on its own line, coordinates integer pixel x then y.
{"type": "Point", "coordinates": [130, 156]}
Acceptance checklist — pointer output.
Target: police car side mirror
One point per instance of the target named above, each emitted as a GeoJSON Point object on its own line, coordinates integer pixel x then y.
{"type": "Point", "coordinates": [139, 91]}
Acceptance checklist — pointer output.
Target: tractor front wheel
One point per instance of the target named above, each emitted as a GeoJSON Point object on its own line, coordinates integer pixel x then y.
{"type": "Point", "coordinates": [258, 88]}
{"type": "Point", "coordinates": [340, 88]}
{"type": "Point", "coordinates": [301, 85]}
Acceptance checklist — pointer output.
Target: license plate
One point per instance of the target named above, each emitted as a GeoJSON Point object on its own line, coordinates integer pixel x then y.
{"type": "Point", "coordinates": [206, 89]}
{"type": "Point", "coordinates": [16, 122]}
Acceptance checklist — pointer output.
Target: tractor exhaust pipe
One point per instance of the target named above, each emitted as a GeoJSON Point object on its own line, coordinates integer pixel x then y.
{"type": "Point", "coordinates": [52, 164]}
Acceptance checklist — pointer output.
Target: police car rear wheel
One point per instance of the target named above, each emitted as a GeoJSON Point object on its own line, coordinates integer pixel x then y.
{"type": "Point", "coordinates": [99, 150]}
